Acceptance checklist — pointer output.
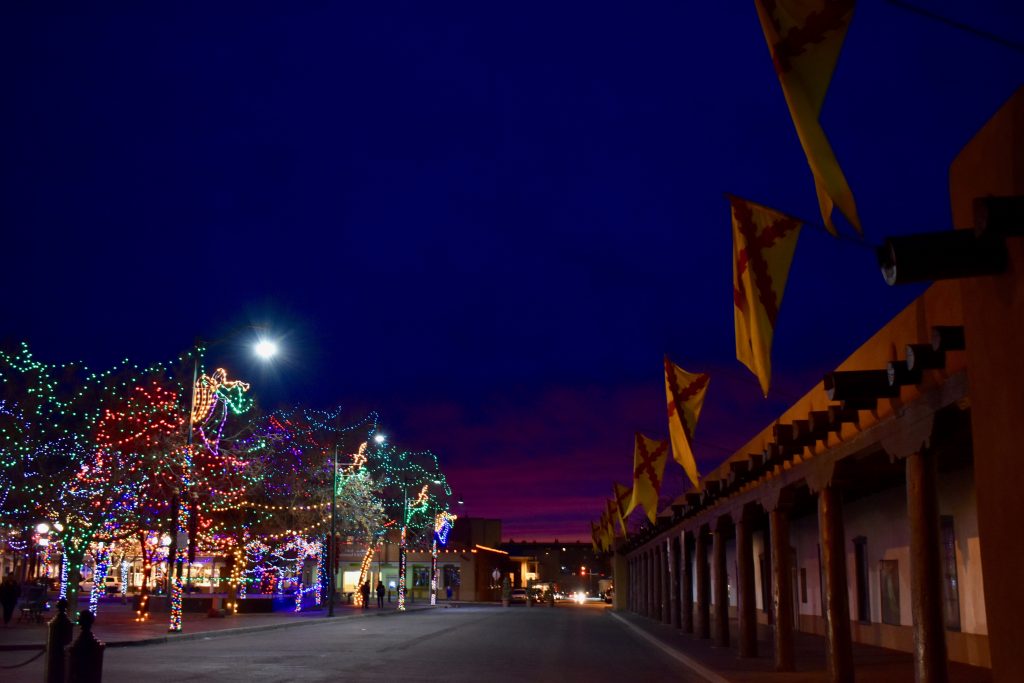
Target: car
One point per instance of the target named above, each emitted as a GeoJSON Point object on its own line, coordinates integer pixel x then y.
{"type": "Point", "coordinates": [518, 595]}
{"type": "Point", "coordinates": [111, 585]}
{"type": "Point", "coordinates": [609, 595]}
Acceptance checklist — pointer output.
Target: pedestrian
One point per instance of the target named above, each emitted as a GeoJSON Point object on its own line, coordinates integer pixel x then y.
{"type": "Point", "coordinates": [9, 593]}
{"type": "Point", "coordinates": [448, 591]}
{"type": "Point", "coordinates": [380, 594]}
{"type": "Point", "coordinates": [364, 590]}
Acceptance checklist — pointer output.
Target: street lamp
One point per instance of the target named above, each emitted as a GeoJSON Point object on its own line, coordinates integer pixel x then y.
{"type": "Point", "coordinates": [265, 349]}
{"type": "Point", "coordinates": [332, 549]}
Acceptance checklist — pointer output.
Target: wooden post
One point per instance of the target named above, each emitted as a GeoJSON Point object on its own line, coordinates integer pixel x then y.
{"type": "Point", "coordinates": [703, 585]}
{"type": "Point", "coordinates": [659, 572]}
{"type": "Point", "coordinates": [649, 587]}
{"type": "Point", "coordinates": [687, 581]}
{"type": "Point", "coordinates": [838, 646]}
{"type": "Point", "coordinates": [674, 582]}
{"type": "Point", "coordinates": [925, 570]}
{"type": "Point", "coordinates": [745, 583]}
{"type": "Point", "coordinates": [782, 589]}
{"type": "Point", "coordinates": [721, 583]}
{"type": "Point", "coordinates": [620, 580]}
{"type": "Point", "coordinates": [666, 583]}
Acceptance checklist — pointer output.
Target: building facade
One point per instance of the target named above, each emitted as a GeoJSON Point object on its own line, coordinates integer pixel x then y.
{"type": "Point", "coordinates": [882, 507]}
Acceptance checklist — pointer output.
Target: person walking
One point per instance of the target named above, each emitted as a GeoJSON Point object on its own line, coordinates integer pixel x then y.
{"type": "Point", "coordinates": [9, 593]}
{"type": "Point", "coordinates": [364, 590]}
{"type": "Point", "coordinates": [380, 594]}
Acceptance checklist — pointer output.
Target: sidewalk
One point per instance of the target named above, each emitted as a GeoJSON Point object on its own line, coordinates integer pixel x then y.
{"type": "Point", "coordinates": [116, 625]}
{"type": "Point", "coordinates": [723, 665]}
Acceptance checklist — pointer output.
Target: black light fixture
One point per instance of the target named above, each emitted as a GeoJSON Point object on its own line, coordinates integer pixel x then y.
{"type": "Point", "coordinates": [924, 357]}
{"type": "Point", "coordinates": [853, 386]}
{"type": "Point", "coordinates": [940, 256]}
{"type": "Point", "coordinates": [901, 375]}
{"type": "Point", "coordinates": [949, 254]}
{"type": "Point", "coordinates": [948, 338]}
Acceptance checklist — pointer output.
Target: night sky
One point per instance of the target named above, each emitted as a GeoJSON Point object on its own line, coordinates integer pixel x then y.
{"type": "Point", "coordinates": [487, 222]}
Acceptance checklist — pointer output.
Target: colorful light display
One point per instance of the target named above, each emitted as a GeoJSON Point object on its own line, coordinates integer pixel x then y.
{"type": "Point", "coordinates": [113, 446]}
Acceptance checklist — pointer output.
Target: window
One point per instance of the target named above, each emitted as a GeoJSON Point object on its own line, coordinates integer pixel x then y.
{"type": "Point", "coordinates": [950, 585]}
{"type": "Point", "coordinates": [889, 586]}
{"type": "Point", "coordinates": [860, 552]}
{"type": "Point", "coordinates": [803, 585]}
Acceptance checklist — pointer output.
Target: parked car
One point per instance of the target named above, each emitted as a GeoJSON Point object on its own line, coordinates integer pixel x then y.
{"type": "Point", "coordinates": [609, 595]}
{"type": "Point", "coordinates": [111, 586]}
{"type": "Point", "coordinates": [518, 595]}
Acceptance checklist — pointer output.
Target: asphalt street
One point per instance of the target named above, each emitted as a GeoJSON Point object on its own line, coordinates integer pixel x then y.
{"type": "Point", "coordinates": [480, 644]}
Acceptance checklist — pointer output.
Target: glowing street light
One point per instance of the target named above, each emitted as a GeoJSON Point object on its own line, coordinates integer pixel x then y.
{"type": "Point", "coordinates": [265, 349]}
{"type": "Point", "coordinates": [201, 408]}
{"type": "Point", "coordinates": [380, 438]}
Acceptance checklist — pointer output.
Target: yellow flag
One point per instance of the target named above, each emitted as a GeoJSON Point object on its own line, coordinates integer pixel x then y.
{"type": "Point", "coordinates": [684, 392]}
{"type": "Point", "coordinates": [613, 516]}
{"type": "Point", "coordinates": [804, 38]}
{"type": "Point", "coordinates": [623, 498]}
{"type": "Point", "coordinates": [604, 535]}
{"type": "Point", "coordinates": [763, 242]}
{"type": "Point", "coordinates": [595, 538]}
{"type": "Point", "coordinates": [649, 458]}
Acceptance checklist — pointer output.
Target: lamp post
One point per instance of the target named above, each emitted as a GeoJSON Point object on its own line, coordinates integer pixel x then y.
{"type": "Point", "coordinates": [332, 550]}
{"type": "Point", "coordinates": [401, 550]}
{"type": "Point", "coordinates": [265, 349]}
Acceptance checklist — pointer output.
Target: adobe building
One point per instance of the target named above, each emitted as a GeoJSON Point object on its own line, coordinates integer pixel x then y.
{"type": "Point", "coordinates": [885, 506]}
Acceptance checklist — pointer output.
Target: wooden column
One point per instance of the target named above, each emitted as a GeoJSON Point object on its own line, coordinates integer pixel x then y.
{"type": "Point", "coordinates": [620, 577]}
{"type": "Point", "coordinates": [838, 647]}
{"type": "Point", "coordinates": [666, 583]}
{"type": "Point", "coordinates": [674, 582]}
{"type": "Point", "coordinates": [782, 589]}
{"type": "Point", "coordinates": [721, 573]}
{"type": "Point", "coordinates": [659, 570]}
{"type": "Point", "coordinates": [649, 559]}
{"type": "Point", "coordinates": [641, 598]}
{"type": "Point", "coordinates": [633, 585]}
{"type": "Point", "coordinates": [925, 570]}
{"type": "Point", "coordinates": [687, 581]}
{"type": "Point", "coordinates": [643, 583]}
{"type": "Point", "coordinates": [746, 603]}
{"type": "Point", "coordinates": [703, 585]}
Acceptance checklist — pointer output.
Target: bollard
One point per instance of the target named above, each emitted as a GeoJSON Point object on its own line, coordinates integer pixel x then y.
{"type": "Point", "coordinates": [84, 663]}
{"type": "Point", "coordinates": [58, 635]}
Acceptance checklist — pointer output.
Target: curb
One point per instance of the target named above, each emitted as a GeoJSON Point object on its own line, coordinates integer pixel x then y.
{"type": "Point", "coordinates": [219, 633]}
{"type": "Point", "coordinates": [688, 662]}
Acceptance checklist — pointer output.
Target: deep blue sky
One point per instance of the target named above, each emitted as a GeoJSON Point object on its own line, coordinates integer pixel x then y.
{"type": "Point", "coordinates": [489, 222]}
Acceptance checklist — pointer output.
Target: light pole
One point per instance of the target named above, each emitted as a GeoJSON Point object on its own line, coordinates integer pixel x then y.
{"type": "Point", "coordinates": [332, 550]}
{"type": "Point", "coordinates": [401, 550]}
{"type": "Point", "coordinates": [264, 349]}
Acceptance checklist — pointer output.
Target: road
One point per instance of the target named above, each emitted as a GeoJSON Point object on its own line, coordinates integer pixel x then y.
{"type": "Point", "coordinates": [481, 644]}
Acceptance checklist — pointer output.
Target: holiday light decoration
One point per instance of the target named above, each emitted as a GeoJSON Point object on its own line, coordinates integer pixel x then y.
{"type": "Point", "coordinates": [102, 454]}
{"type": "Point", "coordinates": [99, 577]}
{"type": "Point", "coordinates": [443, 523]}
